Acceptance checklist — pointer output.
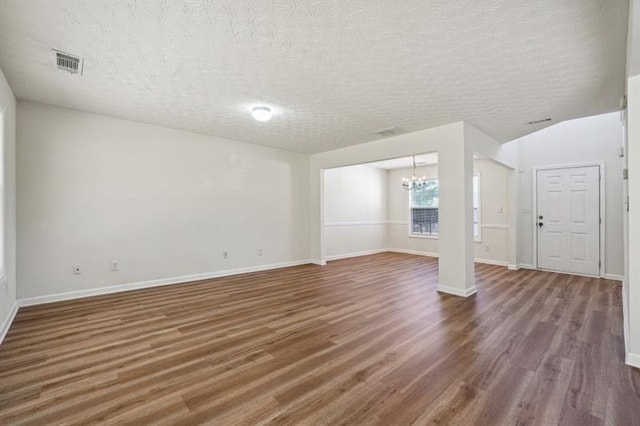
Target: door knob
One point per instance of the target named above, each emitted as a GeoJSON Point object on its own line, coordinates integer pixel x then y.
{"type": "Point", "coordinates": [540, 217]}
{"type": "Point", "coordinates": [540, 224]}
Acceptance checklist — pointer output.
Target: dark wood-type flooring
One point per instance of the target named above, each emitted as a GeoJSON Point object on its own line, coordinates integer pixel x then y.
{"type": "Point", "coordinates": [360, 341]}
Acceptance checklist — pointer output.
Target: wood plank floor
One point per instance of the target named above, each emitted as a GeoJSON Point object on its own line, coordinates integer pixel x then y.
{"type": "Point", "coordinates": [360, 341]}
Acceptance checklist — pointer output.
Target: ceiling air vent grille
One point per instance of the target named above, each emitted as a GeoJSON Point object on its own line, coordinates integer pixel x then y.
{"type": "Point", "coordinates": [391, 131]}
{"type": "Point", "coordinates": [69, 63]}
{"type": "Point", "coordinates": [544, 120]}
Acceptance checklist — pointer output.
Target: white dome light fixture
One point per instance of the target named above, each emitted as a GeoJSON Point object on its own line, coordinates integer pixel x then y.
{"type": "Point", "coordinates": [261, 113]}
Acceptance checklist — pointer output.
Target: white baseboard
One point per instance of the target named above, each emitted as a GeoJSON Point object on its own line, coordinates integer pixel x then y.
{"type": "Point", "coordinates": [405, 251]}
{"type": "Point", "coordinates": [457, 291]}
{"type": "Point", "coordinates": [4, 329]}
{"type": "Point", "coordinates": [492, 262]}
{"type": "Point", "coordinates": [355, 254]}
{"type": "Point", "coordinates": [615, 277]}
{"type": "Point", "coordinates": [429, 254]}
{"type": "Point", "coordinates": [526, 266]}
{"type": "Point", "coordinates": [633, 360]}
{"type": "Point", "coordinates": [318, 262]}
{"type": "Point", "coordinates": [357, 223]}
{"type": "Point", "coordinates": [417, 253]}
{"type": "Point", "coordinates": [38, 300]}
{"type": "Point", "coordinates": [513, 267]}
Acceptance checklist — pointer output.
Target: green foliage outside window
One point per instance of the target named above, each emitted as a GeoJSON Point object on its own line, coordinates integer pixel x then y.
{"type": "Point", "coordinates": [426, 197]}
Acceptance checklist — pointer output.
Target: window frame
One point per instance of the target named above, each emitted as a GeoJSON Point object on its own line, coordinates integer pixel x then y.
{"type": "Point", "coordinates": [410, 232]}
{"type": "Point", "coordinates": [477, 238]}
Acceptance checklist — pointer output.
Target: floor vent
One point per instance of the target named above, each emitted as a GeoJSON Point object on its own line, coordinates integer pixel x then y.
{"type": "Point", "coordinates": [69, 63]}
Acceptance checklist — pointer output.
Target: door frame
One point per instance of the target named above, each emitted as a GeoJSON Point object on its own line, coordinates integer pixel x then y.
{"type": "Point", "coordinates": [603, 222]}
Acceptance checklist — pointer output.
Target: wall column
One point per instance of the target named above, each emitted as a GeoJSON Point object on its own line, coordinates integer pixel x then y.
{"type": "Point", "coordinates": [455, 175]}
{"type": "Point", "coordinates": [633, 162]}
{"type": "Point", "coordinates": [316, 213]}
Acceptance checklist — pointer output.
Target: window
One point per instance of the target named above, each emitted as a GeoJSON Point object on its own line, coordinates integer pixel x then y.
{"type": "Point", "coordinates": [424, 209]}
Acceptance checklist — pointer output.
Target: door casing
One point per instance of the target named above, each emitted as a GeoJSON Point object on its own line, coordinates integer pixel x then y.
{"type": "Point", "coordinates": [534, 210]}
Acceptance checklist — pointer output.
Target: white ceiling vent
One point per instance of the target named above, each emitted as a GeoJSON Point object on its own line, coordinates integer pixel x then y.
{"type": "Point", "coordinates": [391, 131]}
{"type": "Point", "coordinates": [544, 120]}
{"type": "Point", "coordinates": [69, 63]}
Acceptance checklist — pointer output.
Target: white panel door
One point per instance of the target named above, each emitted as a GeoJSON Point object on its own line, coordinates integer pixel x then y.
{"type": "Point", "coordinates": [568, 219]}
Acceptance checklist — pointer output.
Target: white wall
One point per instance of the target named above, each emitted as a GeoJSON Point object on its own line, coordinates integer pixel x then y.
{"type": "Point", "coordinates": [632, 284]}
{"type": "Point", "coordinates": [455, 144]}
{"type": "Point", "coordinates": [589, 139]}
{"type": "Point", "coordinates": [163, 203]}
{"type": "Point", "coordinates": [633, 40]}
{"type": "Point", "coordinates": [399, 213]}
{"type": "Point", "coordinates": [454, 272]}
{"type": "Point", "coordinates": [355, 217]}
{"type": "Point", "coordinates": [430, 140]}
{"type": "Point", "coordinates": [8, 285]}
{"type": "Point", "coordinates": [495, 208]}
{"type": "Point", "coordinates": [631, 291]}
{"type": "Point", "coordinates": [480, 143]}
{"type": "Point", "coordinates": [494, 196]}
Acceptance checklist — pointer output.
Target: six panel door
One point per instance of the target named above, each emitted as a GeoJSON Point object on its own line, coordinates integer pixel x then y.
{"type": "Point", "coordinates": [568, 219]}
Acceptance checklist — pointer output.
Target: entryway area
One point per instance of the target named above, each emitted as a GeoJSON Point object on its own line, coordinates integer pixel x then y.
{"type": "Point", "coordinates": [568, 218]}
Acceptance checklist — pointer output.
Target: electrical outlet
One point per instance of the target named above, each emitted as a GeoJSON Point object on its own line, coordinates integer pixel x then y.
{"type": "Point", "coordinates": [259, 252]}
{"type": "Point", "coordinates": [114, 266]}
{"type": "Point", "coordinates": [225, 254]}
{"type": "Point", "coordinates": [487, 247]}
{"type": "Point", "coordinates": [77, 270]}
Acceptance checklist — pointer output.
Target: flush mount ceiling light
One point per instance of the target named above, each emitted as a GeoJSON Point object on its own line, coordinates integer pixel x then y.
{"type": "Point", "coordinates": [261, 113]}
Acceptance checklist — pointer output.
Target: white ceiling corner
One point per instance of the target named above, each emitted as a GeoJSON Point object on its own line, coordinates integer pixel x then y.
{"type": "Point", "coordinates": [334, 72]}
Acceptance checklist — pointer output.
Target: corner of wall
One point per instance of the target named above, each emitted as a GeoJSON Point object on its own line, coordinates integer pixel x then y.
{"type": "Point", "coordinates": [8, 307]}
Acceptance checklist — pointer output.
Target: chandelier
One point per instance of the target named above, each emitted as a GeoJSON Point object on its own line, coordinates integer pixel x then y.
{"type": "Point", "coordinates": [414, 182]}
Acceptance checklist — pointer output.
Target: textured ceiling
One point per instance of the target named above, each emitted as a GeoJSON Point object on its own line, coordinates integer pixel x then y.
{"type": "Point", "coordinates": [334, 71]}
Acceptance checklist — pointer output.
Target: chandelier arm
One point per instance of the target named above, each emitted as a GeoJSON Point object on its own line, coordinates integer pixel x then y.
{"type": "Point", "coordinates": [414, 182]}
